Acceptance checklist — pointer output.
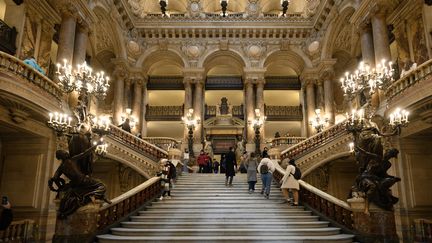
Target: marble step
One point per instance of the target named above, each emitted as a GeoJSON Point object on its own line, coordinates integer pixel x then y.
{"type": "Point", "coordinates": [237, 202]}
{"type": "Point", "coordinates": [225, 232]}
{"type": "Point", "coordinates": [224, 210]}
{"type": "Point", "coordinates": [230, 217]}
{"type": "Point", "coordinates": [340, 238]}
{"type": "Point", "coordinates": [218, 206]}
{"type": "Point", "coordinates": [258, 225]}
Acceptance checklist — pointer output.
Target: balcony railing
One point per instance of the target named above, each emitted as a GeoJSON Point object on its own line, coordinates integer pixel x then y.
{"type": "Point", "coordinates": [409, 80]}
{"type": "Point", "coordinates": [19, 231]}
{"type": "Point", "coordinates": [316, 141]}
{"type": "Point", "coordinates": [235, 110]}
{"type": "Point", "coordinates": [284, 113]}
{"type": "Point", "coordinates": [334, 209]}
{"type": "Point", "coordinates": [14, 66]}
{"type": "Point", "coordinates": [7, 38]}
{"type": "Point", "coordinates": [164, 113]}
{"type": "Point", "coordinates": [163, 142]}
{"type": "Point", "coordinates": [423, 230]}
{"type": "Point", "coordinates": [129, 202]}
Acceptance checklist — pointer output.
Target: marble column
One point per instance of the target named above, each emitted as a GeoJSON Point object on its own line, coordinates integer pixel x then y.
{"type": "Point", "coordinates": [81, 39]}
{"type": "Point", "coordinates": [127, 94]}
{"type": "Point", "coordinates": [367, 44]}
{"type": "Point", "coordinates": [381, 47]}
{"type": "Point", "coordinates": [250, 113]}
{"type": "Point", "coordinates": [329, 99]}
{"type": "Point", "coordinates": [136, 104]}
{"type": "Point", "coordinates": [304, 124]}
{"type": "Point", "coordinates": [198, 111]}
{"type": "Point", "coordinates": [320, 95]}
{"type": "Point", "coordinates": [120, 76]}
{"type": "Point", "coordinates": [66, 37]}
{"type": "Point", "coordinates": [310, 105]}
{"type": "Point", "coordinates": [144, 104]}
{"type": "Point", "coordinates": [260, 105]}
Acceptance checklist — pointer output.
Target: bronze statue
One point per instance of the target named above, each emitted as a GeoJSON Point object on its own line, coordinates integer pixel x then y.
{"type": "Point", "coordinates": [373, 182]}
{"type": "Point", "coordinates": [224, 108]}
{"type": "Point", "coordinates": [81, 189]}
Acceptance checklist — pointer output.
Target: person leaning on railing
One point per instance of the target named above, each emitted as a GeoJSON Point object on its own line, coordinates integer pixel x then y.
{"type": "Point", "coordinates": [30, 61]}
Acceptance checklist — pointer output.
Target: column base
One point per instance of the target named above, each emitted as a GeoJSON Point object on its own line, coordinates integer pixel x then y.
{"type": "Point", "coordinates": [376, 226]}
{"type": "Point", "coordinates": [79, 227]}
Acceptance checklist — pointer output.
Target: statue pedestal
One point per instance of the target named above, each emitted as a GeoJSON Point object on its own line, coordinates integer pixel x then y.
{"type": "Point", "coordinates": [79, 227]}
{"type": "Point", "coordinates": [377, 226]}
{"type": "Point", "coordinates": [250, 147]}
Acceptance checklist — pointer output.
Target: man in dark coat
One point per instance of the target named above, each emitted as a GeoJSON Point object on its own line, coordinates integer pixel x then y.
{"type": "Point", "coordinates": [231, 166]}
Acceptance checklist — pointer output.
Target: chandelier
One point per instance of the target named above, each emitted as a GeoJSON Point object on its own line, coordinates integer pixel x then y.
{"type": "Point", "coordinates": [82, 79]}
{"type": "Point", "coordinates": [367, 78]}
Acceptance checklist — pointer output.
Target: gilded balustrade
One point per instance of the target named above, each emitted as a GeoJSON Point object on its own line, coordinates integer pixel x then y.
{"type": "Point", "coordinates": [286, 141]}
{"type": "Point", "coordinates": [128, 203]}
{"type": "Point", "coordinates": [314, 142]}
{"type": "Point", "coordinates": [13, 65]}
{"type": "Point", "coordinates": [163, 142]}
{"type": "Point", "coordinates": [164, 113]}
{"type": "Point", "coordinates": [19, 231]}
{"type": "Point", "coordinates": [285, 113]}
{"type": "Point", "coordinates": [409, 80]}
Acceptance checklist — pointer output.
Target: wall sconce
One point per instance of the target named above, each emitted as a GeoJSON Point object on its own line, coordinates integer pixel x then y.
{"type": "Point", "coordinates": [284, 4]}
{"type": "Point", "coordinates": [224, 6]}
{"type": "Point", "coordinates": [163, 5]}
{"type": "Point", "coordinates": [318, 122]}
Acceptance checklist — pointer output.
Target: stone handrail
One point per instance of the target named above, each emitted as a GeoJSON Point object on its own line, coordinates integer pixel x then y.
{"type": "Point", "coordinates": [315, 141]}
{"type": "Point", "coordinates": [163, 142]}
{"type": "Point", "coordinates": [286, 140]}
{"type": "Point", "coordinates": [333, 208]}
{"type": "Point", "coordinates": [142, 146]}
{"type": "Point", "coordinates": [128, 202]}
{"type": "Point", "coordinates": [19, 231]}
{"type": "Point", "coordinates": [408, 80]}
{"type": "Point", "coordinates": [11, 64]}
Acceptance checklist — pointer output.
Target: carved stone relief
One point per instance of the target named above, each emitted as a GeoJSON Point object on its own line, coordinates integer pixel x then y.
{"type": "Point", "coordinates": [194, 8]}
{"type": "Point", "coordinates": [310, 8]}
{"type": "Point", "coordinates": [253, 8]}
{"type": "Point", "coordinates": [319, 178]}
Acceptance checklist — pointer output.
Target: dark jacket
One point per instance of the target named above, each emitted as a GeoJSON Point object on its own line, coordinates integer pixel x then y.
{"type": "Point", "coordinates": [5, 218]}
{"type": "Point", "coordinates": [230, 162]}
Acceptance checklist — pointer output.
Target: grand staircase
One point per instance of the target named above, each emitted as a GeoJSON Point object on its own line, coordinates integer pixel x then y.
{"type": "Point", "coordinates": [202, 209]}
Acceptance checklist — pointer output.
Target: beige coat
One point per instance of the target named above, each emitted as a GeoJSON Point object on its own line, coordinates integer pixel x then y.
{"type": "Point", "coordinates": [288, 181]}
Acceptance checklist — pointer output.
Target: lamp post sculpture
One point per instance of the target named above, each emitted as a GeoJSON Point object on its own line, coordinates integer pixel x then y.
{"type": "Point", "coordinates": [373, 183]}
{"type": "Point", "coordinates": [319, 122]}
{"type": "Point", "coordinates": [224, 6]}
{"type": "Point", "coordinates": [257, 124]}
{"type": "Point", "coordinates": [163, 5]}
{"type": "Point", "coordinates": [284, 4]}
{"type": "Point", "coordinates": [190, 123]}
{"type": "Point", "coordinates": [77, 159]}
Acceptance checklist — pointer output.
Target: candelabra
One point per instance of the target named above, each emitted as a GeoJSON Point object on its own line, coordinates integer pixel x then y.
{"type": "Point", "coordinates": [224, 5]}
{"type": "Point", "coordinates": [284, 4]}
{"type": "Point", "coordinates": [190, 123]}
{"type": "Point", "coordinates": [373, 182]}
{"type": "Point", "coordinates": [163, 4]}
{"type": "Point", "coordinates": [60, 122]}
{"type": "Point", "coordinates": [319, 122]}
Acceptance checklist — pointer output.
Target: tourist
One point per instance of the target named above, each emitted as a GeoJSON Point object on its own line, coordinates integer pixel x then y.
{"type": "Point", "coordinates": [251, 165]}
{"type": "Point", "coordinates": [126, 125]}
{"type": "Point", "coordinates": [243, 161]}
{"type": "Point", "coordinates": [166, 178]}
{"type": "Point", "coordinates": [215, 166]}
{"type": "Point", "coordinates": [266, 168]}
{"type": "Point", "coordinates": [290, 183]}
{"type": "Point", "coordinates": [209, 161]}
{"type": "Point", "coordinates": [222, 164]}
{"type": "Point", "coordinates": [264, 153]}
{"type": "Point", "coordinates": [6, 214]}
{"type": "Point", "coordinates": [231, 167]}
{"type": "Point", "coordinates": [202, 161]}
{"type": "Point", "coordinates": [30, 61]}
{"type": "Point", "coordinates": [185, 161]}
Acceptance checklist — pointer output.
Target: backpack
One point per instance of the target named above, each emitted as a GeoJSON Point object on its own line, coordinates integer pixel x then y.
{"type": "Point", "coordinates": [264, 169]}
{"type": "Point", "coordinates": [297, 173]}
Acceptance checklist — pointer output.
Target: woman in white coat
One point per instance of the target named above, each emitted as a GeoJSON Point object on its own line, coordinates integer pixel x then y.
{"type": "Point", "coordinates": [290, 183]}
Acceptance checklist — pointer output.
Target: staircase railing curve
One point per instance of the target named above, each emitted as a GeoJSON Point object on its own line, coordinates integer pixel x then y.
{"type": "Point", "coordinates": [163, 142]}
{"type": "Point", "coordinates": [325, 204]}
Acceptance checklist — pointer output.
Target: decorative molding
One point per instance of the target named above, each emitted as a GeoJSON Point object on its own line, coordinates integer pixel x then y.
{"type": "Point", "coordinates": [282, 83]}
{"type": "Point", "coordinates": [224, 83]}
{"type": "Point", "coordinates": [164, 113]}
{"type": "Point", "coordinates": [283, 113]}
{"type": "Point", "coordinates": [165, 83]}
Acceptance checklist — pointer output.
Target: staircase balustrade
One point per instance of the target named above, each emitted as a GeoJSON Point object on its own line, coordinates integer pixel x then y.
{"type": "Point", "coordinates": [422, 230]}
{"type": "Point", "coordinates": [128, 203]}
{"type": "Point", "coordinates": [408, 80]}
{"type": "Point", "coordinates": [314, 142]}
{"type": "Point", "coordinates": [286, 141]}
{"type": "Point", "coordinates": [137, 143]}
{"type": "Point", "coordinates": [13, 65]}
{"type": "Point", "coordinates": [163, 142]}
{"type": "Point", "coordinates": [19, 231]}
{"type": "Point", "coordinates": [327, 205]}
